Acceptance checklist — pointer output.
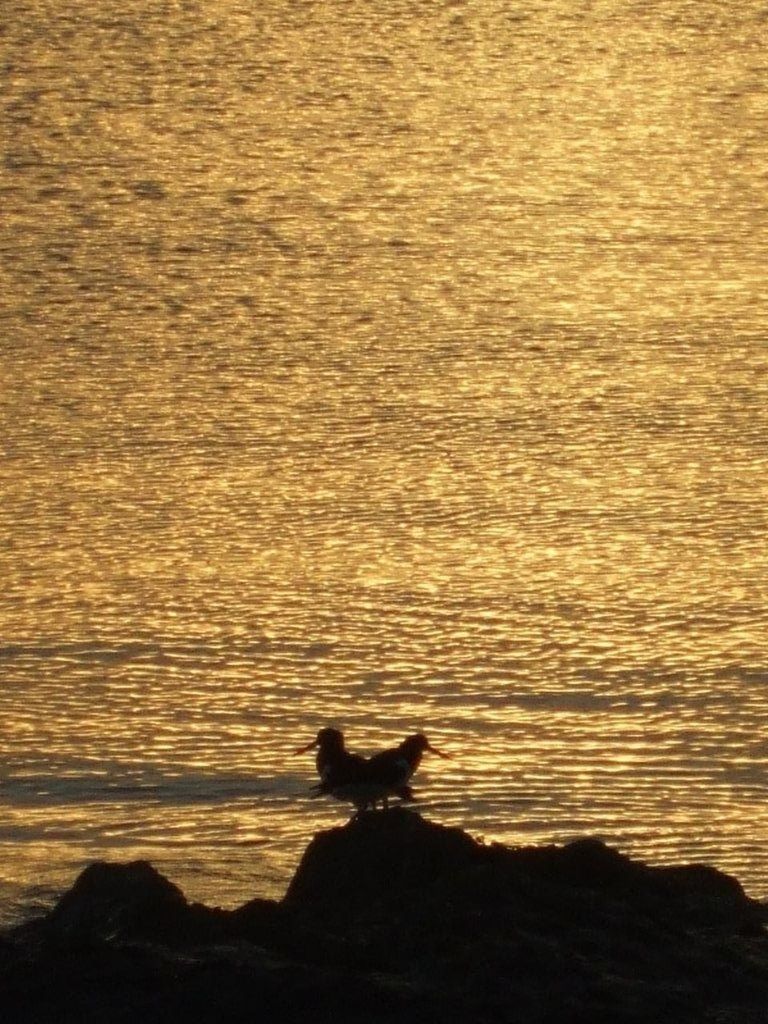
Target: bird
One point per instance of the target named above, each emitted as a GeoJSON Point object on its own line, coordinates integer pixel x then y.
{"type": "Point", "coordinates": [343, 775]}
{"type": "Point", "coordinates": [392, 769]}
{"type": "Point", "coordinates": [331, 752]}
{"type": "Point", "coordinates": [366, 782]}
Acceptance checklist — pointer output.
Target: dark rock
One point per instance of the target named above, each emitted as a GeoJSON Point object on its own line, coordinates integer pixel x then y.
{"type": "Point", "coordinates": [395, 919]}
{"type": "Point", "coordinates": [128, 902]}
{"type": "Point", "coordinates": [378, 856]}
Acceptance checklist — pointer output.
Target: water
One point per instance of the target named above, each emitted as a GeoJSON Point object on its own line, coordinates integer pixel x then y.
{"type": "Point", "coordinates": [392, 366]}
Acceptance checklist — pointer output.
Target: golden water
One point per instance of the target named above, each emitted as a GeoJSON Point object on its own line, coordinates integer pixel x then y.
{"type": "Point", "coordinates": [397, 366]}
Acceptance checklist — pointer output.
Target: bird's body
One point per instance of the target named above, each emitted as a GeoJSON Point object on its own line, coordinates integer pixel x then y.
{"type": "Point", "coordinates": [343, 775]}
{"type": "Point", "coordinates": [366, 782]}
{"type": "Point", "coordinates": [393, 768]}
{"type": "Point", "coordinates": [361, 790]}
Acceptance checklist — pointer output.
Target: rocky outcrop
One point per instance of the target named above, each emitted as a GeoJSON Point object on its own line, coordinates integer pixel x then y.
{"type": "Point", "coordinates": [392, 918]}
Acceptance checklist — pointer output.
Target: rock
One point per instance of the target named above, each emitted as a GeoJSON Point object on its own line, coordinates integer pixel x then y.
{"type": "Point", "coordinates": [401, 861]}
{"type": "Point", "coordinates": [128, 902]}
{"type": "Point", "coordinates": [377, 856]}
{"type": "Point", "coordinates": [392, 919]}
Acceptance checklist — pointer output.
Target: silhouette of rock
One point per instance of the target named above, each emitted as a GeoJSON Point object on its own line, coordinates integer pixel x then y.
{"type": "Point", "coordinates": [381, 856]}
{"type": "Point", "coordinates": [392, 918]}
{"type": "Point", "coordinates": [131, 901]}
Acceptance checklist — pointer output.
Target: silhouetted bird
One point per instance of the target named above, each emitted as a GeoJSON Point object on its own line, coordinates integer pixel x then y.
{"type": "Point", "coordinates": [350, 777]}
{"type": "Point", "coordinates": [331, 752]}
{"type": "Point", "coordinates": [392, 769]}
{"type": "Point", "coordinates": [343, 775]}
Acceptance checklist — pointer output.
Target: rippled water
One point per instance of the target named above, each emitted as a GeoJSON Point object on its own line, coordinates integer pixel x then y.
{"type": "Point", "coordinates": [393, 366]}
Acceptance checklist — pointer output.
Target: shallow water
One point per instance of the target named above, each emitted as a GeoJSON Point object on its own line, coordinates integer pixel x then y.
{"type": "Point", "coordinates": [389, 366]}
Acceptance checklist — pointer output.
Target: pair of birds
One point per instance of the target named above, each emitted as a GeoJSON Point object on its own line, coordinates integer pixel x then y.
{"type": "Point", "coordinates": [362, 781]}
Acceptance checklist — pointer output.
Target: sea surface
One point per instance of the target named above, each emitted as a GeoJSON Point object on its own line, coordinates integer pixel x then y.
{"type": "Point", "coordinates": [392, 366]}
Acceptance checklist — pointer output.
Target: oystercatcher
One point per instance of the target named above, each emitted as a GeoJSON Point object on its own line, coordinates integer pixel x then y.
{"type": "Point", "coordinates": [331, 751]}
{"type": "Point", "coordinates": [392, 769]}
{"type": "Point", "coordinates": [343, 775]}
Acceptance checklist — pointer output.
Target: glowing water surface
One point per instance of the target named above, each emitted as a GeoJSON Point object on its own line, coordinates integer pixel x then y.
{"type": "Point", "coordinates": [392, 366]}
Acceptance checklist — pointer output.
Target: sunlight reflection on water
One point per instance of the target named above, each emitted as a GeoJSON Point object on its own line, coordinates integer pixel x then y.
{"type": "Point", "coordinates": [388, 368]}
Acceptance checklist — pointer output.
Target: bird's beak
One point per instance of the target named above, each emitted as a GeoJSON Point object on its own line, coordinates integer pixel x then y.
{"type": "Point", "coordinates": [303, 750]}
{"type": "Point", "coordinates": [439, 753]}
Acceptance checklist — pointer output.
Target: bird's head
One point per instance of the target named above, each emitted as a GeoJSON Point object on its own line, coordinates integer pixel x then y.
{"type": "Point", "coordinates": [418, 743]}
{"type": "Point", "coordinates": [326, 739]}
